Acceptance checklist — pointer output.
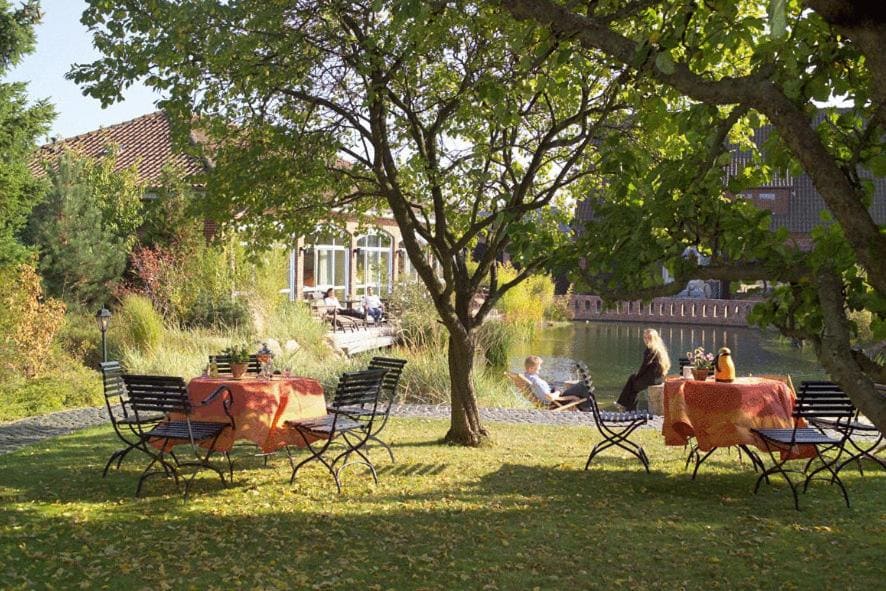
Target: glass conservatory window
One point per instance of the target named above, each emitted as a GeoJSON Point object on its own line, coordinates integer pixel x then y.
{"type": "Point", "coordinates": [326, 262]}
{"type": "Point", "coordinates": [374, 263]}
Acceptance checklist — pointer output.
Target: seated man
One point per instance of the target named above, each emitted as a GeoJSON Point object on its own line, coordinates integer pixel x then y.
{"type": "Point", "coordinates": [332, 304]}
{"type": "Point", "coordinates": [544, 392]}
{"type": "Point", "coordinates": [372, 305]}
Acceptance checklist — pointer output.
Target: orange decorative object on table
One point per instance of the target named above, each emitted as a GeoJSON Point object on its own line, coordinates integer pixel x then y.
{"type": "Point", "coordinates": [261, 406]}
{"type": "Point", "coordinates": [720, 414]}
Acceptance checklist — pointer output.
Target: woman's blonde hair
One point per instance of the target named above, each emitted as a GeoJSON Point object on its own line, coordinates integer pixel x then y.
{"type": "Point", "coordinates": [658, 347]}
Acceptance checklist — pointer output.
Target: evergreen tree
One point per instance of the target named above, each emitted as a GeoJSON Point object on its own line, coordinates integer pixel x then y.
{"type": "Point", "coordinates": [86, 227]}
{"type": "Point", "coordinates": [20, 126]}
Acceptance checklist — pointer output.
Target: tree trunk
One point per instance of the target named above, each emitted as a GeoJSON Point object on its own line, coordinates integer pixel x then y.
{"type": "Point", "coordinates": [835, 355]}
{"type": "Point", "coordinates": [465, 427]}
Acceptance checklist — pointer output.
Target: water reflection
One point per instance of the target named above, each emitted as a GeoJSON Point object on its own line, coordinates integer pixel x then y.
{"type": "Point", "coordinates": [613, 350]}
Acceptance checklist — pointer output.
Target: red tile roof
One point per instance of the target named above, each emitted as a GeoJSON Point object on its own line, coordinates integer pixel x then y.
{"type": "Point", "coordinates": [145, 141]}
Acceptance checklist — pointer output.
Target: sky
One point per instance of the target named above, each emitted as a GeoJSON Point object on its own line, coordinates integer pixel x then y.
{"type": "Point", "coordinates": [61, 42]}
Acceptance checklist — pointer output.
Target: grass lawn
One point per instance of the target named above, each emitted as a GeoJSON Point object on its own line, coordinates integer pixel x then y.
{"type": "Point", "coordinates": [520, 515]}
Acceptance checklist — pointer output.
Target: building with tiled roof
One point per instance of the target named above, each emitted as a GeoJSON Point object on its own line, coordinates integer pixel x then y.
{"type": "Point", "coordinates": [346, 255]}
{"type": "Point", "coordinates": [793, 200]}
{"type": "Point", "coordinates": [145, 141]}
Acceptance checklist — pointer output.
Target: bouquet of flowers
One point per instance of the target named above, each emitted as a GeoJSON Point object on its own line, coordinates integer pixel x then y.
{"type": "Point", "coordinates": [699, 359]}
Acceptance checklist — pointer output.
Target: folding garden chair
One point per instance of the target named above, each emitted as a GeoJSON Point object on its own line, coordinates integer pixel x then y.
{"type": "Point", "coordinates": [524, 389]}
{"type": "Point", "coordinates": [863, 438]}
{"type": "Point", "coordinates": [813, 405]}
{"type": "Point", "coordinates": [223, 362]}
{"type": "Point", "coordinates": [614, 427]}
{"type": "Point", "coordinates": [386, 400]}
{"type": "Point", "coordinates": [352, 431]}
{"type": "Point", "coordinates": [164, 394]}
{"type": "Point", "coordinates": [124, 419]}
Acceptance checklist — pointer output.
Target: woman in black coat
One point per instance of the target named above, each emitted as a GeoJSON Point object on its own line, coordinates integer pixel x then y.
{"type": "Point", "coordinates": [655, 366]}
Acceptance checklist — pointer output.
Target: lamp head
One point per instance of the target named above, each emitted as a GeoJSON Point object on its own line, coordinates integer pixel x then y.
{"type": "Point", "coordinates": [103, 319]}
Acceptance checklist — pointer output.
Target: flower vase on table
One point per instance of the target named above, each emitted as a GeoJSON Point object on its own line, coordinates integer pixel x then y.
{"type": "Point", "coordinates": [239, 359]}
{"type": "Point", "coordinates": [702, 363]}
{"type": "Point", "coordinates": [700, 374]}
{"type": "Point", "coordinates": [238, 370]}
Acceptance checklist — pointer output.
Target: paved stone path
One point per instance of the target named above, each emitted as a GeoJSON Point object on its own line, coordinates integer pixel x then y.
{"type": "Point", "coordinates": [18, 434]}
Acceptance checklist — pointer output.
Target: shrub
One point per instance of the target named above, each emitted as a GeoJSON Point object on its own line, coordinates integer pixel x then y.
{"type": "Point", "coordinates": [558, 309]}
{"type": "Point", "coordinates": [80, 338]}
{"type": "Point", "coordinates": [495, 339]}
{"type": "Point", "coordinates": [28, 322]}
{"type": "Point", "coordinates": [425, 380]}
{"type": "Point", "coordinates": [138, 325]}
{"type": "Point", "coordinates": [527, 301]}
{"type": "Point", "coordinates": [192, 284]}
{"type": "Point", "coordinates": [183, 352]}
{"type": "Point", "coordinates": [213, 310]}
{"type": "Point", "coordinates": [262, 282]}
{"type": "Point", "coordinates": [74, 387]}
{"type": "Point", "coordinates": [293, 320]}
{"type": "Point", "coordinates": [419, 322]}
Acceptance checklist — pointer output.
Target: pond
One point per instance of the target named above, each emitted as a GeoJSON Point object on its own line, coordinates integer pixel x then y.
{"type": "Point", "coordinates": [613, 350]}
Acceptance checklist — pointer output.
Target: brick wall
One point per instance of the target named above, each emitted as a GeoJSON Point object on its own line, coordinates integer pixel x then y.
{"type": "Point", "coordinates": [674, 310]}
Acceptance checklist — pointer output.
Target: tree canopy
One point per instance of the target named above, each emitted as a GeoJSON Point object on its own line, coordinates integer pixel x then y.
{"type": "Point", "coordinates": [466, 125]}
{"type": "Point", "coordinates": [709, 74]}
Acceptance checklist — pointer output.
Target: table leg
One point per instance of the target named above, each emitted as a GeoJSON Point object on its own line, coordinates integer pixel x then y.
{"type": "Point", "coordinates": [755, 459]}
{"type": "Point", "coordinates": [700, 460]}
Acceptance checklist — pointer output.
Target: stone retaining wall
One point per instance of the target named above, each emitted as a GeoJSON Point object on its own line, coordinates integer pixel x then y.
{"type": "Point", "coordinates": [674, 310]}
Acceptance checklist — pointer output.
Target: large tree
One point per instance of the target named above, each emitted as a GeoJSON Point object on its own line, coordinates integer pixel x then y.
{"type": "Point", "coordinates": [463, 123]}
{"type": "Point", "coordinates": [21, 124]}
{"type": "Point", "coordinates": [735, 66]}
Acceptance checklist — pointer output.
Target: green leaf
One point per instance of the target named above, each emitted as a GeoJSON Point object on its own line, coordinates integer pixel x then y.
{"type": "Point", "coordinates": [877, 164]}
{"type": "Point", "coordinates": [664, 62]}
{"type": "Point", "coordinates": [777, 21]}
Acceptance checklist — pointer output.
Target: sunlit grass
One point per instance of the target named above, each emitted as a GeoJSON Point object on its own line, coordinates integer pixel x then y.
{"type": "Point", "coordinates": [522, 514]}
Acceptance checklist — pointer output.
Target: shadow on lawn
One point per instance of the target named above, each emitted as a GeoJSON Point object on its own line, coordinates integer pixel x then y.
{"type": "Point", "coordinates": [521, 526]}
{"type": "Point", "coordinates": [70, 470]}
{"type": "Point", "coordinates": [516, 523]}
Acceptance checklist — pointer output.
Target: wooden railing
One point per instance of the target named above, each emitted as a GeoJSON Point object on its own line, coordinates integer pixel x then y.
{"type": "Point", "coordinates": [675, 310]}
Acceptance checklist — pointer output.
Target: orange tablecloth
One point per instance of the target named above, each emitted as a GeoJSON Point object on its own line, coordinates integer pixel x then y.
{"type": "Point", "coordinates": [260, 408]}
{"type": "Point", "coordinates": [722, 414]}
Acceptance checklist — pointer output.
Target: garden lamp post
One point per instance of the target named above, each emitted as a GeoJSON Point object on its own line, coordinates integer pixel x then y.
{"type": "Point", "coordinates": [103, 318]}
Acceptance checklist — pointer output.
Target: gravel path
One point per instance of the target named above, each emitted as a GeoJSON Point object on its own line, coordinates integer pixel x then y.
{"type": "Point", "coordinates": [18, 434]}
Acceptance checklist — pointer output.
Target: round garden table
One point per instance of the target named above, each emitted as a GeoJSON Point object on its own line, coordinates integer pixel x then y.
{"type": "Point", "coordinates": [722, 414]}
{"type": "Point", "coordinates": [260, 409]}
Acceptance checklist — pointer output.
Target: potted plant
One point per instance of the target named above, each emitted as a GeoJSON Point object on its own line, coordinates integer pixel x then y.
{"type": "Point", "coordinates": [701, 361]}
{"type": "Point", "coordinates": [239, 355]}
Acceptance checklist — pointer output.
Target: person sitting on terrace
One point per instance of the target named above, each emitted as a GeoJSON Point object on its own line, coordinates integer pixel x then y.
{"type": "Point", "coordinates": [372, 305]}
{"type": "Point", "coordinates": [545, 392]}
{"type": "Point", "coordinates": [654, 367]}
{"type": "Point", "coordinates": [332, 303]}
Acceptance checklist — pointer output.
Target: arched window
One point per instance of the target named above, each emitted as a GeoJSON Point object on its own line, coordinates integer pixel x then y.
{"type": "Point", "coordinates": [326, 260]}
{"type": "Point", "coordinates": [374, 263]}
